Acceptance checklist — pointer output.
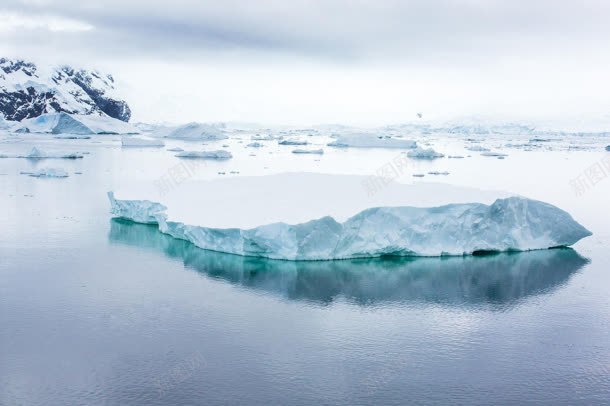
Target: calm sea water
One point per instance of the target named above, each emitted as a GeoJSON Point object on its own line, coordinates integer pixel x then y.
{"type": "Point", "coordinates": [98, 311]}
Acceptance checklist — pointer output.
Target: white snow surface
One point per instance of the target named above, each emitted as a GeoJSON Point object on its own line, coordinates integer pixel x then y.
{"type": "Point", "coordinates": [365, 140]}
{"type": "Point", "coordinates": [256, 216]}
{"type": "Point", "coordinates": [64, 123]}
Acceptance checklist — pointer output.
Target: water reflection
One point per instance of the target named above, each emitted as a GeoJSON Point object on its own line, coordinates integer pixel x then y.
{"type": "Point", "coordinates": [497, 280]}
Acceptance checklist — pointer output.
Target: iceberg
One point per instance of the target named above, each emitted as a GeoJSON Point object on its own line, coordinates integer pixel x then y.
{"type": "Point", "coordinates": [64, 123]}
{"type": "Point", "coordinates": [218, 154]}
{"type": "Point", "coordinates": [508, 224]}
{"type": "Point", "coordinates": [138, 142]}
{"type": "Point", "coordinates": [47, 173]}
{"type": "Point", "coordinates": [363, 140]}
{"type": "Point", "coordinates": [308, 151]}
{"type": "Point", "coordinates": [608, 148]}
{"type": "Point", "coordinates": [197, 131]}
{"type": "Point", "coordinates": [424, 153]}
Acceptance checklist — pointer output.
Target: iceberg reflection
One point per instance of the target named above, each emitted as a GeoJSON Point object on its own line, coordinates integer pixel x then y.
{"type": "Point", "coordinates": [500, 279]}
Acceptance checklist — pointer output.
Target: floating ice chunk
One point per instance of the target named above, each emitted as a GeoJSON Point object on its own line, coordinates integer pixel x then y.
{"type": "Point", "coordinates": [363, 140]}
{"type": "Point", "coordinates": [140, 211]}
{"type": "Point", "coordinates": [36, 153]}
{"type": "Point", "coordinates": [511, 224]}
{"type": "Point", "coordinates": [456, 156]}
{"type": "Point", "coordinates": [218, 154]}
{"type": "Point", "coordinates": [175, 149]}
{"type": "Point", "coordinates": [494, 154]}
{"type": "Point", "coordinates": [47, 173]}
{"type": "Point", "coordinates": [308, 151]}
{"type": "Point", "coordinates": [255, 145]}
{"type": "Point", "coordinates": [418, 175]}
{"type": "Point", "coordinates": [444, 173]}
{"type": "Point", "coordinates": [292, 142]}
{"type": "Point", "coordinates": [424, 153]}
{"type": "Point", "coordinates": [139, 142]}
{"type": "Point", "coordinates": [608, 148]}
{"type": "Point", "coordinates": [197, 131]}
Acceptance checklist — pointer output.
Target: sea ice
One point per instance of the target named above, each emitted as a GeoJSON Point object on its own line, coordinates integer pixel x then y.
{"type": "Point", "coordinates": [424, 153]}
{"type": "Point", "coordinates": [255, 145]}
{"type": "Point", "coordinates": [363, 140]}
{"type": "Point", "coordinates": [141, 142]}
{"type": "Point", "coordinates": [47, 173]}
{"type": "Point", "coordinates": [218, 154]}
{"type": "Point", "coordinates": [608, 148]}
{"type": "Point", "coordinates": [510, 224]}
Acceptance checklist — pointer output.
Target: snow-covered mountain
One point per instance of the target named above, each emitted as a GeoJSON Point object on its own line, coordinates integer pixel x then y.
{"type": "Point", "coordinates": [26, 92]}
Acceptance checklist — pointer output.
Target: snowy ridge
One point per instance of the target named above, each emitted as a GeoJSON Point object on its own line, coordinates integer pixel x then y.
{"type": "Point", "coordinates": [511, 224]}
{"type": "Point", "coordinates": [25, 92]}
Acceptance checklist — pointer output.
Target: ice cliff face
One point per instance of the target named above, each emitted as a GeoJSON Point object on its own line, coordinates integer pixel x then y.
{"type": "Point", "coordinates": [512, 224]}
{"type": "Point", "coordinates": [25, 92]}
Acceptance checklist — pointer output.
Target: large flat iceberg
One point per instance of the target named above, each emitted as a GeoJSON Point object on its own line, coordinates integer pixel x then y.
{"type": "Point", "coordinates": [509, 224]}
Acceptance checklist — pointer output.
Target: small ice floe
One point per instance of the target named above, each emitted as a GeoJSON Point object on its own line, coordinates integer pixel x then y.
{"type": "Point", "coordinates": [444, 173]}
{"type": "Point", "coordinates": [175, 149]}
{"type": "Point", "coordinates": [608, 148]}
{"type": "Point", "coordinates": [255, 145]}
{"type": "Point", "coordinates": [47, 173]}
{"type": "Point", "coordinates": [292, 142]}
{"type": "Point", "coordinates": [225, 145]}
{"type": "Point", "coordinates": [424, 153]}
{"type": "Point", "coordinates": [139, 142]}
{"type": "Point", "coordinates": [456, 156]}
{"type": "Point", "coordinates": [499, 155]}
{"type": "Point", "coordinates": [37, 153]}
{"type": "Point", "coordinates": [218, 154]}
{"type": "Point", "coordinates": [418, 175]}
{"type": "Point", "coordinates": [363, 140]}
{"type": "Point", "coordinates": [308, 151]}
{"type": "Point", "coordinates": [477, 148]}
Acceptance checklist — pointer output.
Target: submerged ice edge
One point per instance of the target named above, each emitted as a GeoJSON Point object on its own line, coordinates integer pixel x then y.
{"type": "Point", "coordinates": [511, 224]}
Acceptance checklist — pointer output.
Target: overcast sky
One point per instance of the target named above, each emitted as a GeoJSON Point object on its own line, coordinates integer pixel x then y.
{"type": "Point", "coordinates": [331, 61]}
